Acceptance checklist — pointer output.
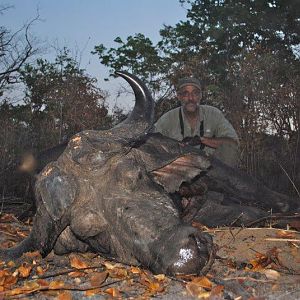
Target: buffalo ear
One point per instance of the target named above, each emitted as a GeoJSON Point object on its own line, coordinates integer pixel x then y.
{"type": "Point", "coordinates": [183, 169]}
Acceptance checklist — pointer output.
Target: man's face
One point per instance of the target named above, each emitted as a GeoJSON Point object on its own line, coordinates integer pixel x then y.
{"type": "Point", "coordinates": [190, 97]}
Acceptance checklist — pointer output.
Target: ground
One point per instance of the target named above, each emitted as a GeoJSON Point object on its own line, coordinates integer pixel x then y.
{"type": "Point", "coordinates": [251, 263]}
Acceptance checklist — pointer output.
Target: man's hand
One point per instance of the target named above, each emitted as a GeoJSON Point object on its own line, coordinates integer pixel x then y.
{"type": "Point", "coordinates": [206, 141]}
{"type": "Point", "coordinates": [192, 140]}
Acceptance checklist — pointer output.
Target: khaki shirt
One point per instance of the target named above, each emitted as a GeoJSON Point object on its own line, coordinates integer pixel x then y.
{"type": "Point", "coordinates": [214, 125]}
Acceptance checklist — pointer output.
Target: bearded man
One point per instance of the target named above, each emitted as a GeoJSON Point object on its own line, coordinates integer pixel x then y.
{"type": "Point", "coordinates": [203, 126]}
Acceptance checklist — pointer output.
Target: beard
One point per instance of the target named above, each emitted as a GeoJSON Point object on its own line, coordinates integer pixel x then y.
{"type": "Point", "coordinates": [191, 106]}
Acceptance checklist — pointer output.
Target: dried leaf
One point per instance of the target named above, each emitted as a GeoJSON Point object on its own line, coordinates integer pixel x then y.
{"type": "Point", "coordinates": [56, 285]}
{"type": "Point", "coordinates": [196, 290]}
{"type": "Point", "coordinates": [77, 280]}
{"type": "Point", "coordinates": [40, 271]}
{"type": "Point", "coordinates": [135, 270]}
{"type": "Point", "coordinates": [118, 273]}
{"type": "Point", "coordinates": [31, 285]}
{"type": "Point", "coordinates": [28, 287]}
{"type": "Point", "coordinates": [255, 264]}
{"type": "Point", "coordinates": [263, 260]}
{"type": "Point", "coordinates": [8, 218]}
{"type": "Point", "coordinates": [10, 281]}
{"type": "Point", "coordinates": [271, 274]}
{"type": "Point", "coordinates": [35, 254]}
{"type": "Point", "coordinates": [153, 286]}
{"type": "Point", "coordinates": [24, 270]}
{"type": "Point", "coordinates": [199, 226]}
{"type": "Point", "coordinates": [8, 244]}
{"type": "Point", "coordinates": [76, 274]}
{"type": "Point", "coordinates": [114, 292]}
{"type": "Point", "coordinates": [203, 282]}
{"type": "Point", "coordinates": [43, 282]}
{"type": "Point", "coordinates": [11, 264]}
{"type": "Point", "coordinates": [185, 277]}
{"type": "Point", "coordinates": [29, 221]}
{"type": "Point", "coordinates": [160, 277]}
{"type": "Point", "coordinates": [16, 291]}
{"type": "Point", "coordinates": [97, 278]}
{"type": "Point", "coordinates": [285, 234]}
{"type": "Point", "coordinates": [8, 229]}
{"type": "Point", "coordinates": [4, 273]}
{"type": "Point", "coordinates": [22, 233]}
{"type": "Point", "coordinates": [92, 292]}
{"type": "Point", "coordinates": [66, 295]}
{"type": "Point", "coordinates": [89, 255]}
{"type": "Point", "coordinates": [217, 291]}
{"type": "Point", "coordinates": [77, 263]}
{"type": "Point", "coordinates": [108, 265]}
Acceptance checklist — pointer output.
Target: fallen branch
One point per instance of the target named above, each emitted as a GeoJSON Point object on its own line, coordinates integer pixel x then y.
{"type": "Point", "coordinates": [66, 272]}
{"type": "Point", "coordinates": [288, 176]}
{"type": "Point", "coordinates": [248, 278]}
{"type": "Point", "coordinates": [273, 217]}
{"type": "Point", "coordinates": [10, 295]}
{"type": "Point", "coordinates": [282, 240]}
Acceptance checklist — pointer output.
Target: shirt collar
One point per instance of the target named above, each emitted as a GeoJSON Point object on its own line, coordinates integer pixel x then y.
{"type": "Point", "coordinates": [201, 117]}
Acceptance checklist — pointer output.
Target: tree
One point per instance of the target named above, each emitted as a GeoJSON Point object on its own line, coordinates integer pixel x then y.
{"type": "Point", "coordinates": [215, 34]}
{"type": "Point", "coordinates": [247, 56]}
{"type": "Point", "coordinates": [16, 48]}
{"type": "Point", "coordinates": [137, 55]}
{"type": "Point", "coordinates": [62, 99]}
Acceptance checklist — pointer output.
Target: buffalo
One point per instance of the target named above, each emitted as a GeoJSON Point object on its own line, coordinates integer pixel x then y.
{"type": "Point", "coordinates": [121, 193]}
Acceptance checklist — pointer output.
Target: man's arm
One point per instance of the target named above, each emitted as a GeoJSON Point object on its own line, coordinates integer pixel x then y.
{"type": "Point", "coordinates": [216, 142]}
{"type": "Point", "coordinates": [221, 129]}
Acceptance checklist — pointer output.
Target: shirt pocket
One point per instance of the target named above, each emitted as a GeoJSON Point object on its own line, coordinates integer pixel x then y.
{"type": "Point", "coordinates": [208, 132]}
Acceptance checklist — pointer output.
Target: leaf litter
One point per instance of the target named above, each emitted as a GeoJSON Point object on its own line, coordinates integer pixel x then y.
{"type": "Point", "coordinates": [251, 263]}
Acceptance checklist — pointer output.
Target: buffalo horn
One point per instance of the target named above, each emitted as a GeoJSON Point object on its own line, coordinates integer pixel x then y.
{"type": "Point", "coordinates": [140, 120]}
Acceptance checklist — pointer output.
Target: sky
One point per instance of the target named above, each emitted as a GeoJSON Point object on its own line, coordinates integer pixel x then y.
{"type": "Point", "coordinates": [82, 24]}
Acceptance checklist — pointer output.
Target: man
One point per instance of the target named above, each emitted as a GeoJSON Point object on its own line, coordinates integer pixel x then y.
{"type": "Point", "coordinates": [200, 124]}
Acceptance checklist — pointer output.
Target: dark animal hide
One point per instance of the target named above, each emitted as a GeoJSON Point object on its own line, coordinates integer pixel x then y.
{"type": "Point", "coordinates": [130, 194]}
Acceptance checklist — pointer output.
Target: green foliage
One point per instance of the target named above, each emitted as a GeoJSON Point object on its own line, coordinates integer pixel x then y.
{"type": "Point", "coordinates": [137, 55]}
{"type": "Point", "coordinates": [216, 33]}
{"type": "Point", "coordinates": [62, 100]}
{"type": "Point", "coordinates": [246, 52]}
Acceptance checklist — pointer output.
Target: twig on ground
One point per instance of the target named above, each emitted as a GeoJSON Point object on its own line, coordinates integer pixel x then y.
{"type": "Point", "coordinates": [234, 221]}
{"type": "Point", "coordinates": [273, 217]}
{"type": "Point", "coordinates": [63, 272]}
{"type": "Point", "coordinates": [292, 182]}
{"type": "Point", "coordinates": [63, 288]}
{"type": "Point", "coordinates": [282, 240]}
{"type": "Point", "coordinates": [248, 278]}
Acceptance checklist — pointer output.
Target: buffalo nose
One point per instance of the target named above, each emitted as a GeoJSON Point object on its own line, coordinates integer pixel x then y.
{"type": "Point", "coordinates": [189, 259]}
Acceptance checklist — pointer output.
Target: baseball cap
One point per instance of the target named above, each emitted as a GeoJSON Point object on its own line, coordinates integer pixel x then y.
{"type": "Point", "coordinates": [188, 81]}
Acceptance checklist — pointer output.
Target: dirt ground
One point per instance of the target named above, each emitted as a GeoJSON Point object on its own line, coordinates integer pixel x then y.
{"type": "Point", "coordinates": [251, 263]}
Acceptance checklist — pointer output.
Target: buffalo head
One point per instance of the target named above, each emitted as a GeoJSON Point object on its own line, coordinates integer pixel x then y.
{"type": "Point", "coordinates": [109, 192]}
